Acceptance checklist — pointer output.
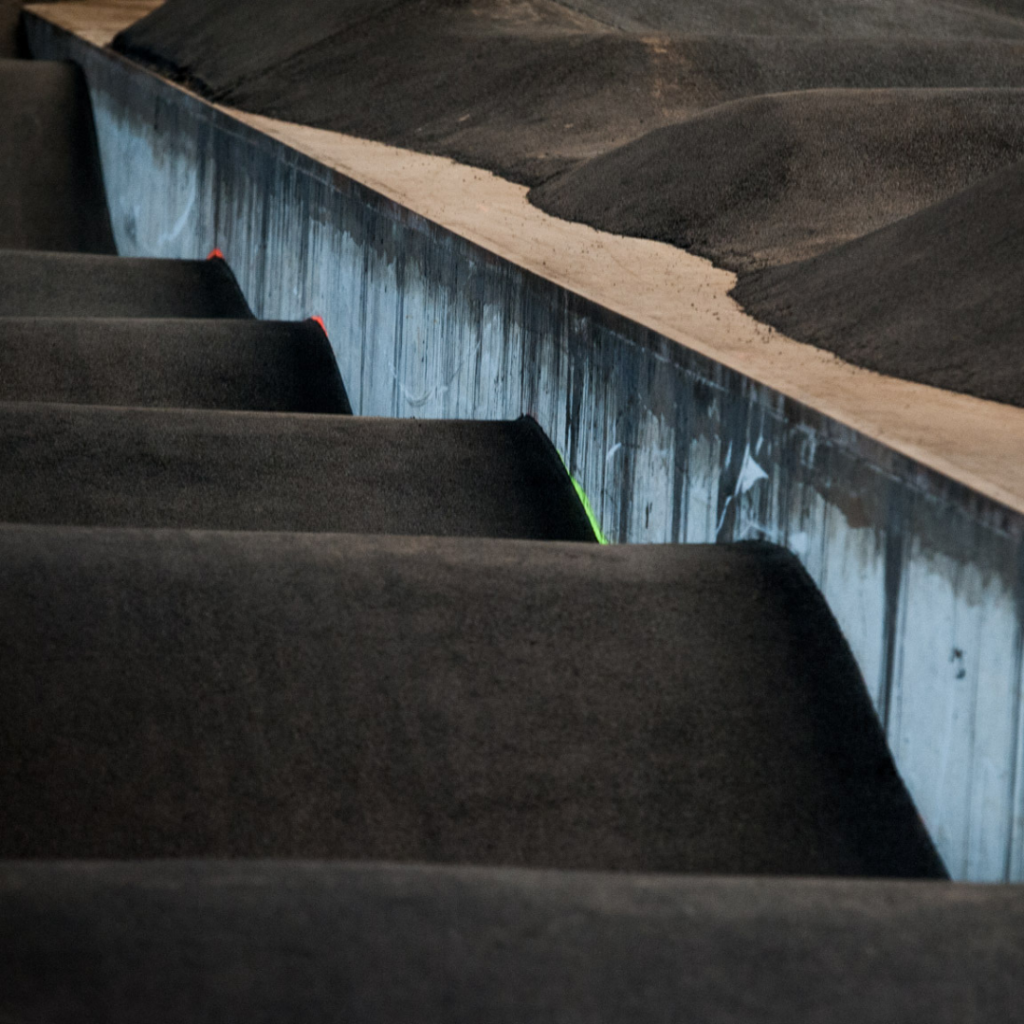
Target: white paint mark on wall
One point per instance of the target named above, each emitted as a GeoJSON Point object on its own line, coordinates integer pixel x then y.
{"type": "Point", "coordinates": [800, 543]}
{"type": "Point", "coordinates": [750, 474]}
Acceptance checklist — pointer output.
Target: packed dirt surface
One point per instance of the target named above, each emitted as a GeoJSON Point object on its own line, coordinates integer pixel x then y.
{"type": "Point", "coordinates": [757, 134]}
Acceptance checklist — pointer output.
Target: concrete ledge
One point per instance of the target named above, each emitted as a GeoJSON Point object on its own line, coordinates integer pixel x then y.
{"type": "Point", "coordinates": [446, 295]}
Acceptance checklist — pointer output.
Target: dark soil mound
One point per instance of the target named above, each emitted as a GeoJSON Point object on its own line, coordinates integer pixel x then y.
{"type": "Point", "coordinates": [258, 365]}
{"type": "Point", "coordinates": [52, 196]}
{"type": "Point", "coordinates": [785, 177]}
{"type": "Point", "coordinates": [11, 42]}
{"type": "Point", "coordinates": [220, 470]}
{"type": "Point", "coordinates": [374, 944]}
{"type": "Point", "coordinates": [71, 284]}
{"type": "Point", "coordinates": [936, 18]}
{"type": "Point", "coordinates": [524, 89]}
{"type": "Point", "coordinates": [936, 298]}
{"type": "Point", "coordinates": [535, 89]}
{"type": "Point", "coordinates": [221, 43]}
{"type": "Point", "coordinates": [663, 707]}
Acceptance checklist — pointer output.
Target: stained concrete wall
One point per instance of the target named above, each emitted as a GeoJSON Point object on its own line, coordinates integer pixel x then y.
{"type": "Point", "coordinates": [925, 577]}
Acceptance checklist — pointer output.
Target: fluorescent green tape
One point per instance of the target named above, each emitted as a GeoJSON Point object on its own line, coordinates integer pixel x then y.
{"type": "Point", "coordinates": [594, 524]}
{"type": "Point", "coordinates": [585, 501]}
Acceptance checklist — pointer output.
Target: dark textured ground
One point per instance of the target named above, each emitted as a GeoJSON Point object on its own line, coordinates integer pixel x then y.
{"type": "Point", "coordinates": [530, 87]}
{"type": "Point", "coordinates": [682, 708]}
{"type": "Point", "coordinates": [942, 292]}
{"type": "Point", "coordinates": [52, 196]}
{"type": "Point", "coordinates": [12, 43]}
{"type": "Point", "coordinates": [318, 943]}
{"type": "Point", "coordinates": [794, 174]}
{"type": "Point", "coordinates": [814, 18]}
{"type": "Point", "coordinates": [69, 284]}
{"type": "Point", "coordinates": [219, 470]}
{"type": "Point", "coordinates": [661, 119]}
{"type": "Point", "coordinates": [197, 364]}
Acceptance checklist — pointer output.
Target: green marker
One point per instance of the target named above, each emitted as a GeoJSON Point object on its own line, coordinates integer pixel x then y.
{"type": "Point", "coordinates": [585, 501]}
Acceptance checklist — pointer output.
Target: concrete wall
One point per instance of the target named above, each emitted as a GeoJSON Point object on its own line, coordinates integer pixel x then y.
{"type": "Point", "coordinates": [924, 576]}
